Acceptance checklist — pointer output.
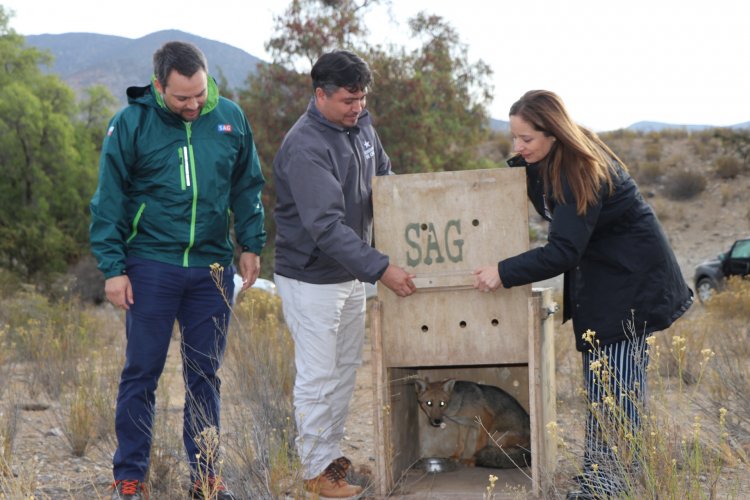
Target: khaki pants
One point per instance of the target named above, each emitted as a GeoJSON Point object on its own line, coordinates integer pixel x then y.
{"type": "Point", "coordinates": [327, 323]}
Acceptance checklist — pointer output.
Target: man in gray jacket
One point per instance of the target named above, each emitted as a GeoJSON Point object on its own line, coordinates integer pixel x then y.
{"type": "Point", "coordinates": [323, 178]}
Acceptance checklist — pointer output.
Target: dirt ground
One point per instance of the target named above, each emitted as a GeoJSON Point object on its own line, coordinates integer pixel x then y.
{"type": "Point", "coordinates": [698, 229]}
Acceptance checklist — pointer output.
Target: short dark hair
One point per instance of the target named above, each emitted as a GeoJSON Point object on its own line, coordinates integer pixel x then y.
{"type": "Point", "coordinates": [340, 68]}
{"type": "Point", "coordinates": [183, 57]}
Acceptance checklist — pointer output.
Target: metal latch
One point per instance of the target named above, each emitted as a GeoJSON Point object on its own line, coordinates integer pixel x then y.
{"type": "Point", "coordinates": [551, 309]}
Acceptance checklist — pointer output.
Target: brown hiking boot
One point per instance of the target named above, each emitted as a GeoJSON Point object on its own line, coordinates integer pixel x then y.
{"type": "Point", "coordinates": [331, 483]}
{"type": "Point", "coordinates": [343, 463]}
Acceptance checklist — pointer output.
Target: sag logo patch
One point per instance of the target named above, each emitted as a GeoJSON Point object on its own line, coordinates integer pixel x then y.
{"type": "Point", "coordinates": [225, 128]}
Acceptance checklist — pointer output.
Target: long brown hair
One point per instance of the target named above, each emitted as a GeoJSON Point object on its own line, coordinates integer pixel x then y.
{"type": "Point", "coordinates": [578, 154]}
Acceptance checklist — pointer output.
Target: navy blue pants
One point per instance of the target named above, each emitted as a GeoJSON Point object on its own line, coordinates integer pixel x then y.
{"type": "Point", "coordinates": [162, 294]}
{"type": "Point", "coordinates": [615, 377]}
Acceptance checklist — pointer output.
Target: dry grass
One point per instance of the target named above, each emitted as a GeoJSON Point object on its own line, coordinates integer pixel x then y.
{"type": "Point", "coordinates": [695, 440]}
{"type": "Point", "coordinates": [260, 363]}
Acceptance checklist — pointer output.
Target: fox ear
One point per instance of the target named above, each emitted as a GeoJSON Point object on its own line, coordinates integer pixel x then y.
{"type": "Point", "coordinates": [448, 385]}
{"type": "Point", "coordinates": [420, 385]}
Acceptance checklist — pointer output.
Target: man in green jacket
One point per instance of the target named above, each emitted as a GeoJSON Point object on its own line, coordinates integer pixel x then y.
{"type": "Point", "coordinates": [177, 163]}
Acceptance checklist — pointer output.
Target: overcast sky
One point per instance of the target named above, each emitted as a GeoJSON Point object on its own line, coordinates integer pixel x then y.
{"type": "Point", "coordinates": [613, 62]}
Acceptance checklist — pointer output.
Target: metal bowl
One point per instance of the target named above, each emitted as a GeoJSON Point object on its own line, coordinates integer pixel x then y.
{"type": "Point", "coordinates": [435, 465]}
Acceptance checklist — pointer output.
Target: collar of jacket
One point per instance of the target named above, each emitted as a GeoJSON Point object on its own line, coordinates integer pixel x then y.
{"type": "Point", "coordinates": [150, 96]}
{"type": "Point", "coordinates": [314, 112]}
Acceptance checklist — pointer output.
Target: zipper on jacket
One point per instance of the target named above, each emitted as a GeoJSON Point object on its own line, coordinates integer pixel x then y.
{"type": "Point", "coordinates": [137, 218]}
{"type": "Point", "coordinates": [190, 173]}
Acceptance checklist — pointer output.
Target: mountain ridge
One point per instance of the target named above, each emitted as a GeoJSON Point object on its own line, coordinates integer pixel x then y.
{"type": "Point", "coordinates": [84, 59]}
{"type": "Point", "coordinates": [653, 126]}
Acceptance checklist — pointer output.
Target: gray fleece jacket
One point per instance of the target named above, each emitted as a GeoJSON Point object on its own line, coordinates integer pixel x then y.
{"type": "Point", "coordinates": [323, 180]}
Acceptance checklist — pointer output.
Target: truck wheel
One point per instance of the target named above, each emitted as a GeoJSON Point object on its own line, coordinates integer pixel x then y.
{"type": "Point", "coordinates": [705, 289]}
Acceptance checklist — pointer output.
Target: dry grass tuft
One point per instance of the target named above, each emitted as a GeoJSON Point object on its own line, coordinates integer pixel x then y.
{"type": "Point", "coordinates": [260, 361]}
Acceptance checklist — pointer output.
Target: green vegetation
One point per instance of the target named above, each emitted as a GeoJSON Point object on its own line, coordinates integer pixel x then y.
{"type": "Point", "coordinates": [48, 156]}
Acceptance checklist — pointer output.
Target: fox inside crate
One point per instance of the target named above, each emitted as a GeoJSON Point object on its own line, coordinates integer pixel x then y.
{"type": "Point", "coordinates": [466, 404]}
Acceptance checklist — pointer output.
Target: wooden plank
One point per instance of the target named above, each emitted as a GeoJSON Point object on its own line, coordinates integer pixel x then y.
{"type": "Point", "coordinates": [535, 413]}
{"type": "Point", "coordinates": [402, 412]}
{"type": "Point", "coordinates": [450, 280]}
{"type": "Point", "coordinates": [380, 401]}
{"type": "Point", "coordinates": [548, 390]}
{"type": "Point", "coordinates": [542, 389]}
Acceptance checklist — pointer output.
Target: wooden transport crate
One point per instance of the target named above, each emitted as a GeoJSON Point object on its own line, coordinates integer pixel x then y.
{"type": "Point", "coordinates": [441, 226]}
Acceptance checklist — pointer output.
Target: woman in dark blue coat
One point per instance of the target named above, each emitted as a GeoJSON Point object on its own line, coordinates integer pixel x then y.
{"type": "Point", "coordinates": [621, 278]}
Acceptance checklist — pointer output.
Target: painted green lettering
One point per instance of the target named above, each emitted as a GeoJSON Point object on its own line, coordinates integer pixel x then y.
{"type": "Point", "coordinates": [432, 245]}
{"type": "Point", "coordinates": [457, 243]}
{"type": "Point", "coordinates": [413, 261]}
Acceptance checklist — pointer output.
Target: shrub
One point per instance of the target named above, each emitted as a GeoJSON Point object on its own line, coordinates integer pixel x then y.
{"type": "Point", "coordinates": [653, 151]}
{"type": "Point", "coordinates": [704, 145]}
{"type": "Point", "coordinates": [675, 160]}
{"type": "Point", "coordinates": [650, 172]}
{"type": "Point", "coordinates": [727, 167]}
{"type": "Point", "coordinates": [684, 185]}
{"type": "Point", "coordinates": [9, 283]}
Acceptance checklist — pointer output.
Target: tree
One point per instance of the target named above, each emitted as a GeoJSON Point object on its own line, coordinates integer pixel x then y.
{"type": "Point", "coordinates": [309, 28]}
{"type": "Point", "coordinates": [273, 101]}
{"type": "Point", "coordinates": [94, 111]}
{"type": "Point", "coordinates": [45, 157]}
{"type": "Point", "coordinates": [429, 105]}
{"type": "Point", "coordinates": [277, 93]}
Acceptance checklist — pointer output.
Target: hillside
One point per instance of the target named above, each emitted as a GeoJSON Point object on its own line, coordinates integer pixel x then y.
{"type": "Point", "coordinates": [648, 126]}
{"type": "Point", "coordinates": [84, 59]}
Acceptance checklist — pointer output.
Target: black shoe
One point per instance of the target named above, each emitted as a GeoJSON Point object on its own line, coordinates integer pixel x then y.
{"type": "Point", "coordinates": [592, 486]}
{"type": "Point", "coordinates": [214, 489]}
{"type": "Point", "coordinates": [579, 495]}
{"type": "Point", "coordinates": [129, 489]}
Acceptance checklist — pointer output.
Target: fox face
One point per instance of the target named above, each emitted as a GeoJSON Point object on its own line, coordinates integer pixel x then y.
{"type": "Point", "coordinates": [433, 398]}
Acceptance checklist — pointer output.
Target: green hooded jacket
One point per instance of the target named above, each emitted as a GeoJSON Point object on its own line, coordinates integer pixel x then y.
{"type": "Point", "coordinates": [167, 188]}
